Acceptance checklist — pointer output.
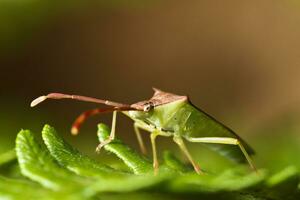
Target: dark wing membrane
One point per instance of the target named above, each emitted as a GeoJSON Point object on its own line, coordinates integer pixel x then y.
{"type": "Point", "coordinates": [203, 125]}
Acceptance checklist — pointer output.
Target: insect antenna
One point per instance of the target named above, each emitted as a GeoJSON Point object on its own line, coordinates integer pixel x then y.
{"type": "Point", "coordinates": [81, 118]}
{"type": "Point", "coordinates": [89, 113]}
{"type": "Point", "coordinates": [78, 98]}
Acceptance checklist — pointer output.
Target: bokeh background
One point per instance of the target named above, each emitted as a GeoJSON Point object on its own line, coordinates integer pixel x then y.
{"type": "Point", "coordinates": [237, 60]}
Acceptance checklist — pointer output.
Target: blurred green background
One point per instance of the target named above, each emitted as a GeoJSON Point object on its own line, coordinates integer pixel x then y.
{"type": "Point", "coordinates": [237, 60]}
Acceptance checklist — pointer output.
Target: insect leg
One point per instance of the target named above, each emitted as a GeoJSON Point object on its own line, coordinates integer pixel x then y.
{"type": "Point", "coordinates": [155, 161]}
{"type": "Point", "coordinates": [139, 138]}
{"type": "Point", "coordinates": [225, 140]}
{"type": "Point", "coordinates": [112, 133]}
{"type": "Point", "coordinates": [178, 140]}
{"type": "Point", "coordinates": [248, 158]}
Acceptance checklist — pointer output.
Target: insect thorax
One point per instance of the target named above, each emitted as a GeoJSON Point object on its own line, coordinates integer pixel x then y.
{"type": "Point", "coordinates": [159, 117]}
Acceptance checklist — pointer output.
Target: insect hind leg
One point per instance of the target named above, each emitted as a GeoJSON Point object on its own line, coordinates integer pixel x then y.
{"type": "Point", "coordinates": [226, 140]}
{"type": "Point", "coordinates": [247, 156]}
{"type": "Point", "coordinates": [179, 141]}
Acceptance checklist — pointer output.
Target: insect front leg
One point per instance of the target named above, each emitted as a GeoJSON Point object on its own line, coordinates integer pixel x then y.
{"type": "Point", "coordinates": [225, 140]}
{"type": "Point", "coordinates": [112, 133]}
{"type": "Point", "coordinates": [139, 138]}
{"type": "Point", "coordinates": [179, 141]}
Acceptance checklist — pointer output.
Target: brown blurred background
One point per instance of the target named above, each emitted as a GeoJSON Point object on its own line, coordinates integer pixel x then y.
{"type": "Point", "coordinates": [238, 60]}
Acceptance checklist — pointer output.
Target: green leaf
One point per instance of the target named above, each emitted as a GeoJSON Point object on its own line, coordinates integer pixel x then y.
{"type": "Point", "coordinates": [61, 172]}
{"type": "Point", "coordinates": [230, 180]}
{"type": "Point", "coordinates": [7, 157]}
{"type": "Point", "coordinates": [70, 157]}
{"type": "Point", "coordinates": [137, 163]}
{"type": "Point", "coordinates": [25, 189]}
{"type": "Point", "coordinates": [284, 182]}
{"type": "Point", "coordinates": [172, 162]}
{"type": "Point", "coordinates": [287, 175]}
{"type": "Point", "coordinates": [22, 189]}
{"type": "Point", "coordinates": [8, 164]}
{"type": "Point", "coordinates": [37, 164]}
{"type": "Point", "coordinates": [106, 178]}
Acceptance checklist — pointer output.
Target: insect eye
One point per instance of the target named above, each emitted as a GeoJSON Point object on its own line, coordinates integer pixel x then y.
{"type": "Point", "coordinates": [148, 106]}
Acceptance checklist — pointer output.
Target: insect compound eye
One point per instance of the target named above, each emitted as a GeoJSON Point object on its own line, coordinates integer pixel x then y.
{"type": "Point", "coordinates": [148, 106]}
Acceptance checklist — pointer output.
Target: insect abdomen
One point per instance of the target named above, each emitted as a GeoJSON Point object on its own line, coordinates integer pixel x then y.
{"type": "Point", "coordinates": [194, 123]}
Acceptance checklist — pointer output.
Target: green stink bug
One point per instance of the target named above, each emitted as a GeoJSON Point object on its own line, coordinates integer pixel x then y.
{"type": "Point", "coordinates": [170, 115]}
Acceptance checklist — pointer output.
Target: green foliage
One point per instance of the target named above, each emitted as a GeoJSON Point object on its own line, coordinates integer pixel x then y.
{"type": "Point", "coordinates": [56, 170]}
{"type": "Point", "coordinates": [7, 157]}
{"type": "Point", "coordinates": [137, 163]}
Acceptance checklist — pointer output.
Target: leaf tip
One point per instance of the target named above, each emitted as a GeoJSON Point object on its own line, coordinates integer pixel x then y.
{"type": "Point", "coordinates": [103, 128]}
{"type": "Point", "coordinates": [47, 129]}
{"type": "Point", "coordinates": [103, 131]}
{"type": "Point", "coordinates": [23, 132]}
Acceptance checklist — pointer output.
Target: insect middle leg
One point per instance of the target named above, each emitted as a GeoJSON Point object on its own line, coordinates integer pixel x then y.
{"type": "Point", "coordinates": [225, 140]}
{"type": "Point", "coordinates": [179, 141]}
{"type": "Point", "coordinates": [112, 133]}
{"type": "Point", "coordinates": [139, 138]}
{"type": "Point", "coordinates": [153, 143]}
{"type": "Point", "coordinates": [153, 136]}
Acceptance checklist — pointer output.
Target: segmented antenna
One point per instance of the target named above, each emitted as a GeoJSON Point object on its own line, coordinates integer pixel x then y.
{"type": "Point", "coordinates": [89, 113]}
{"type": "Point", "coordinates": [78, 98]}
